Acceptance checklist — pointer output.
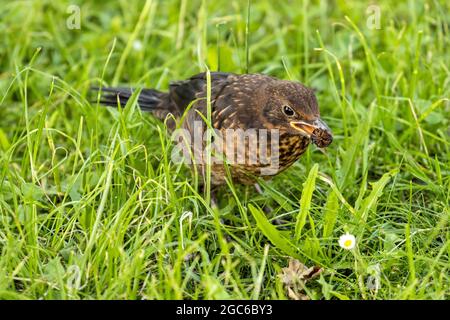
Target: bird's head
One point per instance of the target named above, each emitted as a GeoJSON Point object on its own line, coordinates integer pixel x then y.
{"type": "Point", "coordinates": [292, 107]}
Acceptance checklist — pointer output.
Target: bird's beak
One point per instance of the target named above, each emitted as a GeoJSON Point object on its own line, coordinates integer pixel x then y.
{"type": "Point", "coordinates": [316, 130]}
{"type": "Point", "coordinates": [307, 128]}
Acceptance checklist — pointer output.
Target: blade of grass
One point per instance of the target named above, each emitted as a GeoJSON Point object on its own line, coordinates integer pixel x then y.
{"type": "Point", "coordinates": [247, 25]}
{"type": "Point", "coordinates": [305, 202]}
{"type": "Point", "coordinates": [272, 233]}
{"type": "Point", "coordinates": [330, 214]}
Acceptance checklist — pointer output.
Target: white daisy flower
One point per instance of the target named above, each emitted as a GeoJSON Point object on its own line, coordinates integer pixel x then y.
{"type": "Point", "coordinates": [347, 241]}
{"type": "Point", "coordinates": [137, 45]}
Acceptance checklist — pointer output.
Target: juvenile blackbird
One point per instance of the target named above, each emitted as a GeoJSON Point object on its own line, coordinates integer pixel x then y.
{"type": "Point", "coordinates": [246, 107]}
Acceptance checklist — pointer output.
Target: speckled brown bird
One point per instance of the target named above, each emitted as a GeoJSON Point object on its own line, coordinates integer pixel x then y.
{"type": "Point", "coordinates": [248, 101]}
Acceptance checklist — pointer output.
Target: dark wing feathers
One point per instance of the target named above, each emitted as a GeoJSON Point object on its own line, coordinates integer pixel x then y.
{"type": "Point", "coordinates": [148, 100]}
{"type": "Point", "coordinates": [182, 93]}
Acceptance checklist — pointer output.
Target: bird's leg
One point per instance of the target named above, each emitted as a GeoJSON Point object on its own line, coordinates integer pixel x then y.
{"type": "Point", "coordinates": [212, 195]}
{"type": "Point", "coordinates": [258, 188]}
{"type": "Point", "coordinates": [267, 209]}
{"type": "Point", "coordinates": [213, 199]}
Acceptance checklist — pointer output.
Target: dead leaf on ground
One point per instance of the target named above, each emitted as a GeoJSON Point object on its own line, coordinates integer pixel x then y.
{"type": "Point", "coordinates": [295, 276]}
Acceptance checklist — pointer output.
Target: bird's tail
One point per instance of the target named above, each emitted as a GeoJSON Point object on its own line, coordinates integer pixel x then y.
{"type": "Point", "coordinates": [148, 100]}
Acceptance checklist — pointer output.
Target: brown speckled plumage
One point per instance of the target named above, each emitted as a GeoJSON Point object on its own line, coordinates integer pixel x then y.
{"type": "Point", "coordinates": [249, 101]}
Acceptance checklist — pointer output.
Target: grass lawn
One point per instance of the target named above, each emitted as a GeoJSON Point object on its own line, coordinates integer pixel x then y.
{"type": "Point", "coordinates": [92, 207]}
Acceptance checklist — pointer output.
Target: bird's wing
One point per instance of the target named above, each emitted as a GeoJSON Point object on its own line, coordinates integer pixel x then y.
{"type": "Point", "coordinates": [240, 102]}
{"type": "Point", "coordinates": [235, 99]}
{"type": "Point", "coordinates": [182, 93]}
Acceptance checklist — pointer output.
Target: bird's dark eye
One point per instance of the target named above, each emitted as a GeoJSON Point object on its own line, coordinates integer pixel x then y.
{"type": "Point", "coordinates": [288, 111]}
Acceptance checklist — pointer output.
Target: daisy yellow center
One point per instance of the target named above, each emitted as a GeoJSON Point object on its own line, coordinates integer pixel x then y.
{"type": "Point", "coordinates": [348, 243]}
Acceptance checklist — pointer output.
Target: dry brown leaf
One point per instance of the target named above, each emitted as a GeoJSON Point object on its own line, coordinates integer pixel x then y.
{"type": "Point", "coordinates": [294, 277]}
{"type": "Point", "coordinates": [298, 271]}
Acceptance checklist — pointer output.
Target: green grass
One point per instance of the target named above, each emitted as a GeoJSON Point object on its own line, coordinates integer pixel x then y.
{"type": "Point", "coordinates": [92, 207]}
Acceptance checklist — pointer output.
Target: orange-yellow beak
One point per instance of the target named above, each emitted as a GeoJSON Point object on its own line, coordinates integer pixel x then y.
{"type": "Point", "coordinates": [317, 130]}
{"type": "Point", "coordinates": [307, 128]}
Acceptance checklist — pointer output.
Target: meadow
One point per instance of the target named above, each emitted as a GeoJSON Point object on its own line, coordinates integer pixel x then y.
{"type": "Point", "coordinates": [92, 207]}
